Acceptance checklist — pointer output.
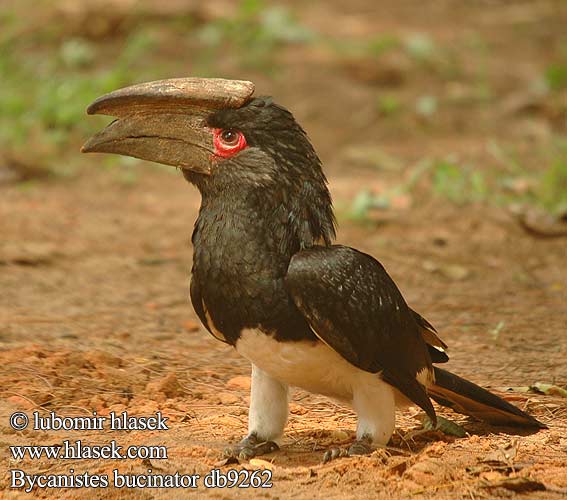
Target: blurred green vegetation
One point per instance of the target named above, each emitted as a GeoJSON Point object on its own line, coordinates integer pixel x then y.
{"type": "Point", "coordinates": [253, 34]}
{"type": "Point", "coordinates": [44, 97]}
{"type": "Point", "coordinates": [47, 81]}
{"type": "Point", "coordinates": [49, 77]}
{"type": "Point", "coordinates": [464, 183]}
{"type": "Point", "coordinates": [556, 73]}
{"type": "Point", "coordinates": [51, 70]}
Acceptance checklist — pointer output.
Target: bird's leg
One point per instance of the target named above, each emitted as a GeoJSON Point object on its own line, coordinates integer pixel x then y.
{"type": "Point", "coordinates": [267, 417]}
{"type": "Point", "coordinates": [374, 403]}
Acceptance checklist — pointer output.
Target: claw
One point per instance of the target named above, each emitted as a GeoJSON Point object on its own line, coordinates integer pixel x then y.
{"type": "Point", "coordinates": [362, 446]}
{"type": "Point", "coordinates": [359, 447]}
{"type": "Point", "coordinates": [246, 454]}
{"type": "Point", "coordinates": [250, 447]}
{"type": "Point", "coordinates": [333, 453]}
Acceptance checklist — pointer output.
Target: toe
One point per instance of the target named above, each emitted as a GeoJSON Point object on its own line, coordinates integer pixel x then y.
{"type": "Point", "coordinates": [266, 447]}
{"type": "Point", "coordinates": [333, 453]}
{"type": "Point", "coordinates": [246, 453]}
{"type": "Point", "coordinates": [359, 448]}
{"type": "Point", "coordinates": [230, 452]}
{"type": "Point", "coordinates": [247, 449]}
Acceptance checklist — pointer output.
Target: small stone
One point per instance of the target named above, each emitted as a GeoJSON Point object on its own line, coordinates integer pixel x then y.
{"type": "Point", "coordinates": [297, 409]}
{"type": "Point", "coordinates": [191, 325]}
{"type": "Point", "coordinates": [227, 398]}
{"type": "Point", "coordinates": [168, 385]}
{"type": "Point", "coordinates": [339, 435]}
{"type": "Point", "coordinates": [100, 358]}
{"type": "Point", "coordinates": [454, 272]}
{"type": "Point", "coordinates": [239, 382]}
{"type": "Point", "coordinates": [491, 476]}
{"type": "Point", "coordinates": [21, 402]}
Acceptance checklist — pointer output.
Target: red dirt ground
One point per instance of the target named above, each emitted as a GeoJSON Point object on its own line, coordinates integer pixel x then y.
{"type": "Point", "coordinates": [97, 318]}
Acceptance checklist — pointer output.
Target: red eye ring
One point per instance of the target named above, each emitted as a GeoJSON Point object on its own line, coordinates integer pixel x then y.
{"type": "Point", "coordinates": [228, 141]}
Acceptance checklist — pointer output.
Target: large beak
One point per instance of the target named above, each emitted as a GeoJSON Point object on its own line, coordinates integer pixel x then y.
{"type": "Point", "coordinates": [165, 121]}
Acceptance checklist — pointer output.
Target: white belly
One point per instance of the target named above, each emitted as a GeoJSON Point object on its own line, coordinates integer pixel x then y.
{"type": "Point", "coordinates": [313, 366]}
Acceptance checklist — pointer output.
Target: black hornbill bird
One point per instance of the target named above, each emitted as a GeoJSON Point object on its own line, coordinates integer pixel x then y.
{"type": "Point", "coordinates": [266, 277]}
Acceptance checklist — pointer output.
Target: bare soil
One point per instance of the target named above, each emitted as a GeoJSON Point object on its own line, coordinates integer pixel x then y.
{"type": "Point", "coordinates": [95, 314]}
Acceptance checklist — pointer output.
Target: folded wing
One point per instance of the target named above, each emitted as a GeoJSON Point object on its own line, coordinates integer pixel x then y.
{"type": "Point", "coordinates": [353, 305]}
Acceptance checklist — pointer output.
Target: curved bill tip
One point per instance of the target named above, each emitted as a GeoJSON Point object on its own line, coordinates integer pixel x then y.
{"type": "Point", "coordinates": [87, 147]}
{"type": "Point", "coordinates": [174, 95]}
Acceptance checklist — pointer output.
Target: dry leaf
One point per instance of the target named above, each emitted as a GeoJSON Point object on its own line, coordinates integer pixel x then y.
{"type": "Point", "coordinates": [549, 389]}
{"type": "Point", "coordinates": [444, 425]}
{"type": "Point", "coordinates": [504, 454]}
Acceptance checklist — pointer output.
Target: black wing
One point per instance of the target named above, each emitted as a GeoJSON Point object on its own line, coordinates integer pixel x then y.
{"type": "Point", "coordinates": [354, 307]}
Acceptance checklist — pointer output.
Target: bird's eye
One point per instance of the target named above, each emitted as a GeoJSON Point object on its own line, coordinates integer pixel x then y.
{"type": "Point", "coordinates": [228, 142]}
{"type": "Point", "coordinates": [229, 137]}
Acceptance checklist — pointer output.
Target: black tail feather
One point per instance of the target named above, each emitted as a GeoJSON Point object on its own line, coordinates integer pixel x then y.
{"type": "Point", "coordinates": [465, 397]}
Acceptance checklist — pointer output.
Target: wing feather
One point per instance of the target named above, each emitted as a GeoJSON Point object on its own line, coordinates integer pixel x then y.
{"type": "Point", "coordinates": [352, 305]}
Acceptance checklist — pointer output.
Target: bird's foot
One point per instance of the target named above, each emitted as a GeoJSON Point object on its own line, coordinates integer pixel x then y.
{"type": "Point", "coordinates": [362, 446]}
{"type": "Point", "coordinates": [250, 447]}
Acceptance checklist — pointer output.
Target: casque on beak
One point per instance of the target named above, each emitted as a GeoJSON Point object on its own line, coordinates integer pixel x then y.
{"type": "Point", "coordinates": [165, 121]}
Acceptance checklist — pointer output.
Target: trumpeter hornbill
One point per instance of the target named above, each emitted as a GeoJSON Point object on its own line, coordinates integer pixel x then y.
{"type": "Point", "coordinates": [266, 278]}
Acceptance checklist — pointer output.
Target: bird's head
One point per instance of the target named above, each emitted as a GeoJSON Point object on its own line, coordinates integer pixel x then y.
{"type": "Point", "coordinates": [226, 142]}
